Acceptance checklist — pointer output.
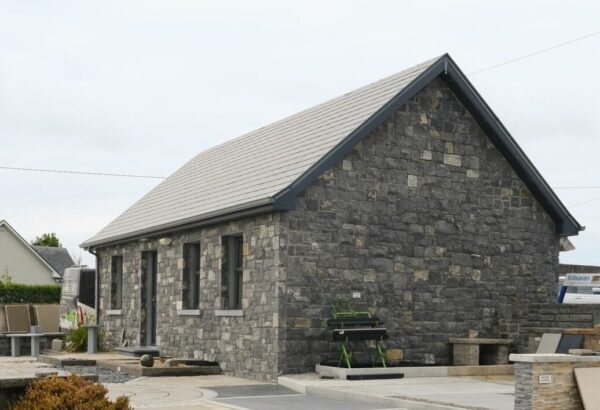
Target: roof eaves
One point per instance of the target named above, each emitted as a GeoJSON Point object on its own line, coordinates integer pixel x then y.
{"type": "Point", "coordinates": [220, 216]}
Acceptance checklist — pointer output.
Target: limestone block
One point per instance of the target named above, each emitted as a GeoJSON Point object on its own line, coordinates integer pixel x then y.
{"type": "Point", "coordinates": [466, 355]}
{"type": "Point", "coordinates": [453, 160]}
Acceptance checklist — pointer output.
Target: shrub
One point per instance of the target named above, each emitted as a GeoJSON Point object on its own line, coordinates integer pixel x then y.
{"type": "Point", "coordinates": [72, 393]}
{"type": "Point", "coordinates": [18, 293]}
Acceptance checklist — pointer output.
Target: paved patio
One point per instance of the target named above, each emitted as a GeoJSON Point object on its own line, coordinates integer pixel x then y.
{"type": "Point", "coordinates": [481, 392]}
{"type": "Point", "coordinates": [22, 367]}
{"type": "Point", "coordinates": [223, 392]}
{"type": "Point", "coordinates": [296, 392]}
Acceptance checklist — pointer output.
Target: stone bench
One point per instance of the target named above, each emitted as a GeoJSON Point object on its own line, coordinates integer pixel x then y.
{"type": "Point", "coordinates": [468, 351]}
{"type": "Point", "coordinates": [15, 342]}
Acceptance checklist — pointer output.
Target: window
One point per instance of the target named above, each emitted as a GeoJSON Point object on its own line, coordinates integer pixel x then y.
{"type": "Point", "coordinates": [116, 282]}
{"type": "Point", "coordinates": [232, 272]}
{"type": "Point", "coordinates": [191, 276]}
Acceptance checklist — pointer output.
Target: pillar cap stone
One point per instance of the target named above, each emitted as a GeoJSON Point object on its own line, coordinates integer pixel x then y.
{"type": "Point", "coordinates": [551, 358]}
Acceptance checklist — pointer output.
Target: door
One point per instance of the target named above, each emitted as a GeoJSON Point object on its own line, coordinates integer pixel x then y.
{"type": "Point", "coordinates": [148, 298]}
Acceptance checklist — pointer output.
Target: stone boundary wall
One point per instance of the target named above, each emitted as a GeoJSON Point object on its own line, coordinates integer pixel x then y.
{"type": "Point", "coordinates": [559, 319]}
{"type": "Point", "coordinates": [562, 316]}
{"type": "Point", "coordinates": [564, 268]}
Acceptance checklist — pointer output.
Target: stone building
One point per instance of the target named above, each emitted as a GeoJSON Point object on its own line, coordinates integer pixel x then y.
{"type": "Point", "coordinates": [407, 197]}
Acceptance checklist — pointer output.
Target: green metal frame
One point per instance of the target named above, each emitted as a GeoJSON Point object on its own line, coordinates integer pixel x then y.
{"type": "Point", "coordinates": [345, 352]}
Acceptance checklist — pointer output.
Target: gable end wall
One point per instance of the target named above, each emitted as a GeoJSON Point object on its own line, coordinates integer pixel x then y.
{"type": "Point", "coordinates": [429, 223]}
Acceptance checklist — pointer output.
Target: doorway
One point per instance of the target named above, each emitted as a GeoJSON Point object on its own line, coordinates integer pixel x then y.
{"type": "Point", "coordinates": [148, 298]}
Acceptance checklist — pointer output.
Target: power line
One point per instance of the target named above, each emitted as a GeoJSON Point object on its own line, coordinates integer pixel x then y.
{"type": "Point", "coordinates": [523, 57]}
{"type": "Point", "coordinates": [60, 171]}
{"type": "Point", "coordinates": [585, 202]}
{"type": "Point", "coordinates": [108, 174]}
{"type": "Point", "coordinates": [576, 187]}
{"type": "Point", "coordinates": [563, 44]}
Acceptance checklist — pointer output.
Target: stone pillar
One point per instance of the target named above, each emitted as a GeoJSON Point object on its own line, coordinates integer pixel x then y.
{"type": "Point", "coordinates": [466, 355]}
{"type": "Point", "coordinates": [547, 381]}
{"type": "Point", "coordinates": [35, 345]}
{"type": "Point", "coordinates": [15, 346]}
{"type": "Point", "coordinates": [92, 340]}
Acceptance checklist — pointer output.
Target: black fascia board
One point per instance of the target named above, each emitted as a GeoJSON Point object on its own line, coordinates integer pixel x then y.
{"type": "Point", "coordinates": [447, 70]}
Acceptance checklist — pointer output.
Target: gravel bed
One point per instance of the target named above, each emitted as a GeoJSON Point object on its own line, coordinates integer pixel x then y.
{"type": "Point", "coordinates": [104, 375]}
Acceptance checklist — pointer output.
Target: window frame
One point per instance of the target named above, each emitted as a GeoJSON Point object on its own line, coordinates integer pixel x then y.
{"type": "Point", "coordinates": [116, 287]}
{"type": "Point", "coordinates": [192, 251]}
{"type": "Point", "coordinates": [232, 277]}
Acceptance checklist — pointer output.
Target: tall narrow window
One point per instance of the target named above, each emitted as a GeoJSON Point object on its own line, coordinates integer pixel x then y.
{"type": "Point", "coordinates": [191, 276]}
{"type": "Point", "coordinates": [116, 282]}
{"type": "Point", "coordinates": [232, 272]}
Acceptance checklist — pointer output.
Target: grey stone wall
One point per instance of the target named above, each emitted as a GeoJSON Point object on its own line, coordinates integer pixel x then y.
{"type": "Point", "coordinates": [244, 346]}
{"type": "Point", "coordinates": [428, 221]}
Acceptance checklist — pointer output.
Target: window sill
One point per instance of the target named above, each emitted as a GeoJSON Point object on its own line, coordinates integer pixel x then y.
{"type": "Point", "coordinates": [114, 312]}
{"type": "Point", "coordinates": [188, 312]}
{"type": "Point", "coordinates": [229, 312]}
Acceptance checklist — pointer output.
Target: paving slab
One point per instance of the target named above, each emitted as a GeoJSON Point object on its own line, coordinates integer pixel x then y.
{"type": "Point", "coordinates": [549, 343]}
{"type": "Point", "coordinates": [17, 318]}
{"type": "Point", "coordinates": [297, 402]}
{"type": "Point", "coordinates": [587, 383]}
{"type": "Point", "coordinates": [48, 317]}
{"type": "Point", "coordinates": [483, 392]}
{"type": "Point", "coordinates": [27, 366]}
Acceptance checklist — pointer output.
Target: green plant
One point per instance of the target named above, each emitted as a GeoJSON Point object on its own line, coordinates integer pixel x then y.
{"type": "Point", "coordinates": [73, 393]}
{"type": "Point", "coordinates": [46, 239]}
{"type": "Point", "coordinates": [18, 293]}
{"type": "Point", "coordinates": [77, 339]}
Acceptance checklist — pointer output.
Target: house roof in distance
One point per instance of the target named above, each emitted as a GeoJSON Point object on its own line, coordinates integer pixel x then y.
{"type": "Point", "coordinates": [57, 257]}
{"type": "Point", "coordinates": [5, 225]}
{"type": "Point", "coordinates": [265, 169]}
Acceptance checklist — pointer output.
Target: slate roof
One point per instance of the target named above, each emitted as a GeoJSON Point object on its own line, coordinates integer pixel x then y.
{"type": "Point", "coordinates": [56, 257]}
{"type": "Point", "coordinates": [269, 166]}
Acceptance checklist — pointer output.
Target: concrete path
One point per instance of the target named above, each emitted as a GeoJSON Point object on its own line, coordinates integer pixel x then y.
{"type": "Point", "coordinates": [223, 392]}
{"type": "Point", "coordinates": [426, 393]}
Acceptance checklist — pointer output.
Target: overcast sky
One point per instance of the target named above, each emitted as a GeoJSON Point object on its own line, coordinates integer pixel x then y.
{"type": "Point", "coordinates": [140, 87]}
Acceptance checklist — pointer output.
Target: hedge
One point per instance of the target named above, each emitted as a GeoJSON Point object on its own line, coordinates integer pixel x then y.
{"type": "Point", "coordinates": [17, 293]}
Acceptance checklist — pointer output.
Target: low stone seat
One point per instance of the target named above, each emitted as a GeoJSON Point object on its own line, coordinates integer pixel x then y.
{"type": "Point", "coordinates": [473, 351]}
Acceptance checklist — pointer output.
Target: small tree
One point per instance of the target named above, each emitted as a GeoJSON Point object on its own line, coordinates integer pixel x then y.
{"type": "Point", "coordinates": [46, 239]}
{"type": "Point", "coordinates": [5, 278]}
